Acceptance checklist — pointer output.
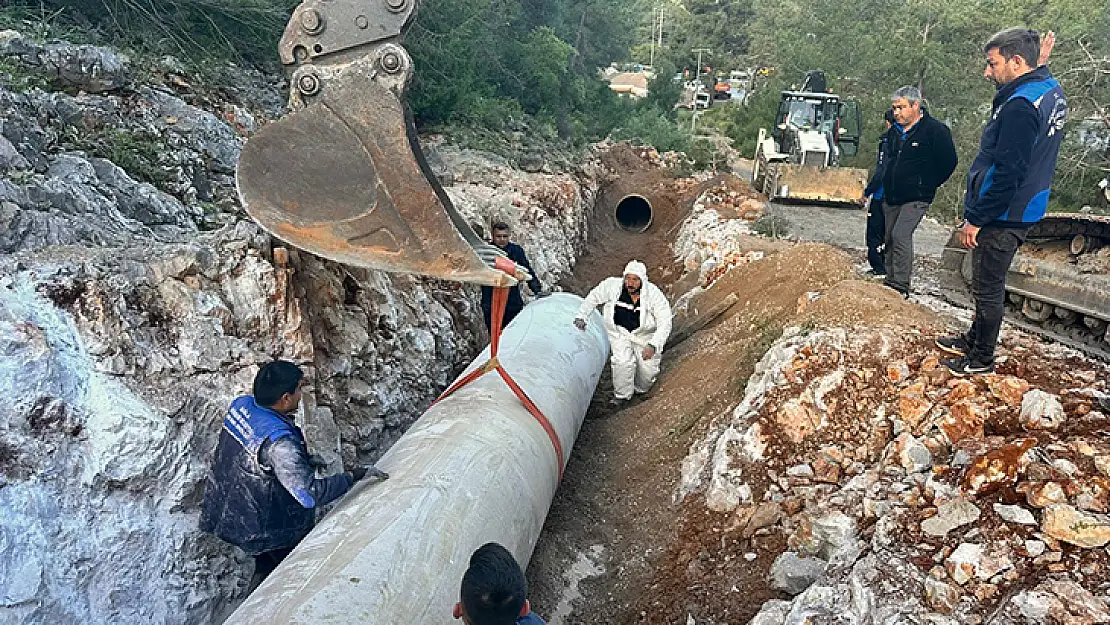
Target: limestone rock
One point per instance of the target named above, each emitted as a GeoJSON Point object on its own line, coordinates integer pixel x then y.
{"type": "Point", "coordinates": [1007, 388]}
{"type": "Point", "coordinates": [792, 573]}
{"type": "Point", "coordinates": [1065, 523]}
{"type": "Point", "coordinates": [1041, 411]}
{"type": "Point", "coordinates": [950, 515]}
{"type": "Point", "coordinates": [912, 454]}
{"type": "Point", "coordinates": [998, 468]}
{"type": "Point", "coordinates": [1014, 514]}
{"type": "Point", "coordinates": [1044, 494]}
{"type": "Point", "coordinates": [940, 595]}
{"type": "Point", "coordinates": [965, 419]}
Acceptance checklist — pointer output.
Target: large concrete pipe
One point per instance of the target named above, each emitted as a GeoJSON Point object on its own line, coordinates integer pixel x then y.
{"type": "Point", "coordinates": [475, 468]}
{"type": "Point", "coordinates": [633, 213]}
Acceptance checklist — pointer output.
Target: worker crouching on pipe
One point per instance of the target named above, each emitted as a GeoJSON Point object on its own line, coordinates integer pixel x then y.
{"type": "Point", "coordinates": [262, 493]}
{"type": "Point", "coordinates": [638, 320]}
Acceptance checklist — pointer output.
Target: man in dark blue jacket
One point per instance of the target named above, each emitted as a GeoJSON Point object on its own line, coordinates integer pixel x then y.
{"type": "Point", "coordinates": [516, 254]}
{"type": "Point", "coordinates": [1008, 184]}
{"type": "Point", "coordinates": [918, 157]}
{"type": "Point", "coordinates": [876, 223]}
{"type": "Point", "coordinates": [494, 591]}
{"type": "Point", "coordinates": [262, 492]}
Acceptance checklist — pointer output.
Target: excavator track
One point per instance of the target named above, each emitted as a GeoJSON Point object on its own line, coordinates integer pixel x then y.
{"type": "Point", "coordinates": [1058, 286]}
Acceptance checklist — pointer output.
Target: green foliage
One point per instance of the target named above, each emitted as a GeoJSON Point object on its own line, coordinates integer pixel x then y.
{"type": "Point", "coordinates": [245, 30]}
{"type": "Point", "coordinates": [19, 78]}
{"type": "Point", "coordinates": [137, 154]}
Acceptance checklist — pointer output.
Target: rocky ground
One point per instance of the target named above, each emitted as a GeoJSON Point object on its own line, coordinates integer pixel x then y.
{"type": "Point", "coordinates": [137, 300]}
{"type": "Point", "coordinates": [802, 459]}
{"type": "Point", "coordinates": [805, 458]}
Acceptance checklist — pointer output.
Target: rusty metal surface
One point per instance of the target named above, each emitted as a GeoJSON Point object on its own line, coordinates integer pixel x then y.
{"type": "Point", "coordinates": [339, 178]}
{"type": "Point", "coordinates": [322, 28]}
{"type": "Point", "coordinates": [833, 185]}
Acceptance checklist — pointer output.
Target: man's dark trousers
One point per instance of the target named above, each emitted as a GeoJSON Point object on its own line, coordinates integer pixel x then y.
{"type": "Point", "coordinates": [901, 221]}
{"type": "Point", "coordinates": [990, 260]}
{"type": "Point", "coordinates": [876, 235]}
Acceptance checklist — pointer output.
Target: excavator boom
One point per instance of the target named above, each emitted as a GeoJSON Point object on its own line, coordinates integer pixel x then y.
{"type": "Point", "coordinates": [342, 175]}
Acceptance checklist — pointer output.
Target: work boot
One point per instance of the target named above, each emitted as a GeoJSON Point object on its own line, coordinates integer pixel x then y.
{"type": "Point", "coordinates": [964, 366]}
{"type": "Point", "coordinates": [956, 345]}
{"type": "Point", "coordinates": [904, 294]}
{"type": "Point", "coordinates": [619, 403]}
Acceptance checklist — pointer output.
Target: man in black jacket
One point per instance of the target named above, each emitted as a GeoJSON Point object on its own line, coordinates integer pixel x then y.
{"type": "Point", "coordinates": [1008, 184]}
{"type": "Point", "coordinates": [919, 156]}
{"type": "Point", "coordinates": [516, 254]}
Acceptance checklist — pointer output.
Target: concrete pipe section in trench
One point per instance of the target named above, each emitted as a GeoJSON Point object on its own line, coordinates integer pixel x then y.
{"type": "Point", "coordinates": [633, 213]}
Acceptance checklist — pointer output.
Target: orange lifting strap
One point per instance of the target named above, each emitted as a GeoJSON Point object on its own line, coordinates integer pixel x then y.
{"type": "Point", "coordinates": [500, 300]}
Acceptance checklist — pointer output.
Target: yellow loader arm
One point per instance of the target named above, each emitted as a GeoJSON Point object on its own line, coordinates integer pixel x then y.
{"type": "Point", "coordinates": [342, 175]}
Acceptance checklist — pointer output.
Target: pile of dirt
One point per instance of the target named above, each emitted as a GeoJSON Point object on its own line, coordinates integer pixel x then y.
{"type": "Point", "coordinates": [609, 247]}
{"type": "Point", "coordinates": [855, 303]}
{"type": "Point", "coordinates": [979, 498]}
{"type": "Point", "coordinates": [626, 158]}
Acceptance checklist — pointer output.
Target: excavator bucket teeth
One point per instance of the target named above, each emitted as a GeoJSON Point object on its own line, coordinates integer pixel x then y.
{"type": "Point", "coordinates": [831, 185]}
{"type": "Point", "coordinates": [344, 178]}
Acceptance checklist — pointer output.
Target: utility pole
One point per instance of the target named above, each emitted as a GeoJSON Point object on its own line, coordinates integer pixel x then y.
{"type": "Point", "coordinates": [697, 87]}
{"type": "Point", "coordinates": [697, 74]}
{"type": "Point", "coordinates": [651, 55]}
{"type": "Point", "coordinates": [661, 9]}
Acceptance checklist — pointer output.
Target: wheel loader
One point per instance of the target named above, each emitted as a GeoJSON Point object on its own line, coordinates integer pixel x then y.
{"type": "Point", "coordinates": [1058, 284]}
{"type": "Point", "coordinates": [342, 175]}
{"type": "Point", "coordinates": [800, 159]}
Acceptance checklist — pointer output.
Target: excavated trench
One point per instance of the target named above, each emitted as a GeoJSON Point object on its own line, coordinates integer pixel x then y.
{"type": "Point", "coordinates": [612, 515]}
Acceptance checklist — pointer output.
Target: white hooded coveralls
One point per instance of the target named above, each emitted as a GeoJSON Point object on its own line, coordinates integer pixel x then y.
{"type": "Point", "coordinates": [631, 373]}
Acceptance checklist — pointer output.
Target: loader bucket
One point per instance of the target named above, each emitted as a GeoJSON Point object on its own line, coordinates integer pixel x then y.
{"type": "Point", "coordinates": [344, 178]}
{"type": "Point", "coordinates": [827, 185]}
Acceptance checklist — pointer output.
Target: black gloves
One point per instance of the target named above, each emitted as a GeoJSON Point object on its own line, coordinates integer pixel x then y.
{"type": "Point", "coordinates": [358, 473]}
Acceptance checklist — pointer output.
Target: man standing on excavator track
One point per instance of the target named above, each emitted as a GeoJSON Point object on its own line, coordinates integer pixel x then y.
{"type": "Point", "coordinates": [501, 235]}
{"type": "Point", "coordinates": [1008, 184]}
{"type": "Point", "coordinates": [919, 156]}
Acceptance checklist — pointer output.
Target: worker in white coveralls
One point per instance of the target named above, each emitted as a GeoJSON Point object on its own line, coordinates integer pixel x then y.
{"type": "Point", "coordinates": [638, 319]}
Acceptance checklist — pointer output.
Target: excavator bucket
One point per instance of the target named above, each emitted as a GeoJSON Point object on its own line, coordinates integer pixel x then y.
{"type": "Point", "coordinates": [835, 185]}
{"type": "Point", "coordinates": [344, 178]}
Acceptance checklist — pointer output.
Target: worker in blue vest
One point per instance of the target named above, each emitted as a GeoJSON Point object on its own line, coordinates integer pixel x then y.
{"type": "Point", "coordinates": [262, 492]}
{"type": "Point", "coordinates": [494, 591]}
{"type": "Point", "coordinates": [1008, 184]}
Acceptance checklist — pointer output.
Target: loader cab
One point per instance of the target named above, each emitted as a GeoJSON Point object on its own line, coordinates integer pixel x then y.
{"type": "Point", "coordinates": [824, 113]}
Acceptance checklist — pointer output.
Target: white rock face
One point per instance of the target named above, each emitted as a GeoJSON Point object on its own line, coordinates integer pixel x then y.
{"type": "Point", "coordinates": [132, 314]}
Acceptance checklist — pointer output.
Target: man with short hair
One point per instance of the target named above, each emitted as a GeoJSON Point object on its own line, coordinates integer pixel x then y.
{"type": "Point", "coordinates": [873, 196]}
{"type": "Point", "coordinates": [1008, 184]}
{"type": "Point", "coordinates": [262, 493]}
{"type": "Point", "coordinates": [501, 234]}
{"type": "Point", "coordinates": [638, 321]}
{"type": "Point", "coordinates": [918, 156]}
{"type": "Point", "coordinates": [494, 591]}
